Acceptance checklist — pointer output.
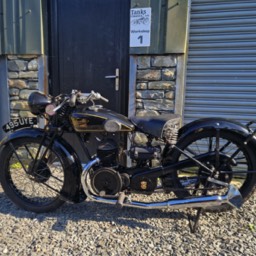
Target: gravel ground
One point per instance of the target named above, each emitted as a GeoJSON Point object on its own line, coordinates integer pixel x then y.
{"type": "Point", "coordinates": [97, 229]}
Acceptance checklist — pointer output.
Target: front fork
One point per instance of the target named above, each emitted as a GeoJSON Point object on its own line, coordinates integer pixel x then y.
{"type": "Point", "coordinates": [38, 161]}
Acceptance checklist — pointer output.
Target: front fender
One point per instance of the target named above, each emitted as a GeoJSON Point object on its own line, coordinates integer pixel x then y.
{"type": "Point", "coordinates": [22, 133]}
{"type": "Point", "coordinates": [75, 167]}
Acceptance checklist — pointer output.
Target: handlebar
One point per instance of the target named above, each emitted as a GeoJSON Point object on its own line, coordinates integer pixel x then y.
{"type": "Point", "coordinates": [83, 98]}
{"type": "Point", "coordinates": [76, 96]}
{"type": "Point", "coordinates": [97, 96]}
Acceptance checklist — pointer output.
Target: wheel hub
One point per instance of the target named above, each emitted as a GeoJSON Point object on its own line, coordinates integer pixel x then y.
{"type": "Point", "coordinates": [224, 173]}
{"type": "Point", "coordinates": [40, 173]}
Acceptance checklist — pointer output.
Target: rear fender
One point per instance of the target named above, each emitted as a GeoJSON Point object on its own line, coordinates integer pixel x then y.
{"type": "Point", "coordinates": [74, 168]}
{"type": "Point", "coordinates": [214, 123]}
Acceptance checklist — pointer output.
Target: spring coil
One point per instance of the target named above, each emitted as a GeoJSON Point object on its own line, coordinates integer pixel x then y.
{"type": "Point", "coordinates": [175, 137]}
{"type": "Point", "coordinates": [62, 117]}
{"type": "Point", "coordinates": [171, 131]}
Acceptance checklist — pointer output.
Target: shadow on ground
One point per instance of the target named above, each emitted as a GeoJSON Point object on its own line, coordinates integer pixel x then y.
{"type": "Point", "coordinates": [91, 211]}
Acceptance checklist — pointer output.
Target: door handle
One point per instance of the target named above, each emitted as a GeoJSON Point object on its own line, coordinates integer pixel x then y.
{"type": "Point", "coordinates": [116, 77]}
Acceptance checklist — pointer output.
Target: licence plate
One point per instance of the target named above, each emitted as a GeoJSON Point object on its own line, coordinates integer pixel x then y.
{"type": "Point", "coordinates": [19, 123]}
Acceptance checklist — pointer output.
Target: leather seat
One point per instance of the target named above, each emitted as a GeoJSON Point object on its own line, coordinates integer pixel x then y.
{"type": "Point", "coordinates": [152, 124]}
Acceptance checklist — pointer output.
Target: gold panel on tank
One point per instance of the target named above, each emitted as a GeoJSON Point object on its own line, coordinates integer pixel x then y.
{"type": "Point", "coordinates": [79, 124]}
{"type": "Point", "coordinates": [86, 120]}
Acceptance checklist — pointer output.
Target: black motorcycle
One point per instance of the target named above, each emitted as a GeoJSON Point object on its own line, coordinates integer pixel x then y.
{"type": "Point", "coordinates": [207, 164]}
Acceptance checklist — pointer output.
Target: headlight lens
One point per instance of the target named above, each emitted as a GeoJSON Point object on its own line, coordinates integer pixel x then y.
{"type": "Point", "coordinates": [112, 126]}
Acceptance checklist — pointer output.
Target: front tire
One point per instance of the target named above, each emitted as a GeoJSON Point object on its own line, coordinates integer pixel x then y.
{"type": "Point", "coordinates": [33, 189]}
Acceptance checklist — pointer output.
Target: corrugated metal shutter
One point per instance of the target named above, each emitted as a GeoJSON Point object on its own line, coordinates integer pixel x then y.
{"type": "Point", "coordinates": [221, 70]}
{"type": "Point", "coordinates": [21, 28]}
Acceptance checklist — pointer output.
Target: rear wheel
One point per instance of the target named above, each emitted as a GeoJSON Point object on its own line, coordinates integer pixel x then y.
{"type": "Point", "coordinates": [32, 184]}
{"type": "Point", "coordinates": [228, 157]}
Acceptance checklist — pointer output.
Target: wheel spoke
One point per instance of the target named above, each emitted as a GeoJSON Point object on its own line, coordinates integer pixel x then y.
{"type": "Point", "coordinates": [225, 146]}
{"type": "Point", "coordinates": [191, 151]}
{"type": "Point", "coordinates": [217, 149]}
{"type": "Point", "coordinates": [18, 158]}
{"type": "Point", "coordinates": [210, 144]}
{"type": "Point", "coordinates": [26, 147]}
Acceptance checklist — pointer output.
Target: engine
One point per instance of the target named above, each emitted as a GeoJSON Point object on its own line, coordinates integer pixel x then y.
{"type": "Point", "coordinates": [110, 177]}
{"type": "Point", "coordinates": [144, 153]}
{"type": "Point", "coordinates": [108, 153]}
{"type": "Point", "coordinates": [107, 180]}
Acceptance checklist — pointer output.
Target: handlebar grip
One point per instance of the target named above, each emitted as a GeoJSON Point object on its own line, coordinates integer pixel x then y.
{"type": "Point", "coordinates": [104, 99]}
{"type": "Point", "coordinates": [97, 96]}
{"type": "Point", "coordinates": [72, 101]}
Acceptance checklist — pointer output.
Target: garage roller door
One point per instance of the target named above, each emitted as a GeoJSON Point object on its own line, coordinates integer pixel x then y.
{"type": "Point", "coordinates": [221, 69]}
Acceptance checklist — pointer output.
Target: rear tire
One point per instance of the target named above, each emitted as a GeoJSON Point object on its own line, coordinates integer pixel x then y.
{"type": "Point", "coordinates": [37, 190]}
{"type": "Point", "coordinates": [187, 181]}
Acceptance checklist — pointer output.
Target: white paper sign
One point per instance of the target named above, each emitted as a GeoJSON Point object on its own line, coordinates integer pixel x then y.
{"type": "Point", "coordinates": [140, 27]}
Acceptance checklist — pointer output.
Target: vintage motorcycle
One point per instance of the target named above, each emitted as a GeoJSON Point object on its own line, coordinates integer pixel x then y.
{"type": "Point", "coordinates": [207, 164]}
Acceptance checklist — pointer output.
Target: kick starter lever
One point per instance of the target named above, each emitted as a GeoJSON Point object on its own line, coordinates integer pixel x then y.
{"type": "Point", "coordinates": [120, 200]}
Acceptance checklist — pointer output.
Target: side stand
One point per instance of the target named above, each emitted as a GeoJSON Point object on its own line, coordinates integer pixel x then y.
{"type": "Point", "coordinates": [194, 221]}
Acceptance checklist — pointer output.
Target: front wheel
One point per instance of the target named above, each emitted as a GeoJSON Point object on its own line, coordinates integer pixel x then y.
{"type": "Point", "coordinates": [229, 157]}
{"type": "Point", "coordinates": [32, 184]}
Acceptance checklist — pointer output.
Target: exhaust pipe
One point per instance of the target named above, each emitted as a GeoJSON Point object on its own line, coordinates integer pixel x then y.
{"type": "Point", "coordinates": [232, 197]}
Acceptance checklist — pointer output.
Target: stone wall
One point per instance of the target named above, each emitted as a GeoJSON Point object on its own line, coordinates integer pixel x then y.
{"type": "Point", "coordinates": [155, 84]}
{"type": "Point", "coordinates": [22, 80]}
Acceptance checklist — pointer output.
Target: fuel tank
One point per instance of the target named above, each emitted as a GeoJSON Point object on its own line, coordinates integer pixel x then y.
{"type": "Point", "coordinates": [99, 120]}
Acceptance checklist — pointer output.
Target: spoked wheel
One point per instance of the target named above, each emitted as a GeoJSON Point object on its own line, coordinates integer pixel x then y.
{"type": "Point", "coordinates": [227, 156]}
{"type": "Point", "coordinates": [32, 184]}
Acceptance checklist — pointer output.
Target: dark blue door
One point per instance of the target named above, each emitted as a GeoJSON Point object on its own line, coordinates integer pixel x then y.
{"type": "Point", "coordinates": [89, 41]}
